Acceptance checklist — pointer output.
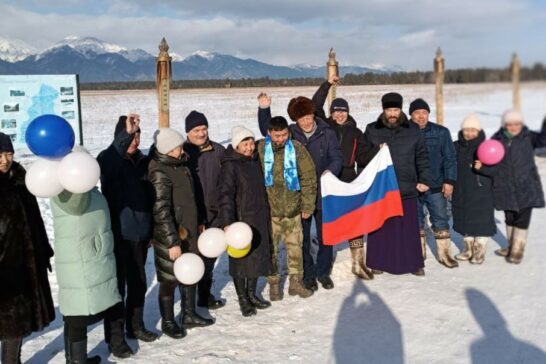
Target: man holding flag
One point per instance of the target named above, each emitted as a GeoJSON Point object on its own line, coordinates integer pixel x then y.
{"type": "Point", "coordinates": [396, 246]}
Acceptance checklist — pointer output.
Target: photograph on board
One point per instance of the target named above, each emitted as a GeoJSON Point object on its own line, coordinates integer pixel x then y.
{"type": "Point", "coordinates": [11, 107]}
{"type": "Point", "coordinates": [9, 123]}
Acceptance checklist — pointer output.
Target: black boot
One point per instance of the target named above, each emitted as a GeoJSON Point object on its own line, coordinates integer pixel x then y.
{"type": "Point", "coordinates": [254, 299]}
{"type": "Point", "coordinates": [77, 353]}
{"type": "Point", "coordinates": [190, 318]}
{"type": "Point", "coordinates": [205, 298]}
{"type": "Point", "coordinates": [326, 282]}
{"type": "Point", "coordinates": [247, 308]}
{"type": "Point", "coordinates": [311, 284]}
{"type": "Point", "coordinates": [168, 324]}
{"type": "Point", "coordinates": [11, 351]}
{"type": "Point", "coordinates": [135, 327]}
{"type": "Point", "coordinates": [117, 344]}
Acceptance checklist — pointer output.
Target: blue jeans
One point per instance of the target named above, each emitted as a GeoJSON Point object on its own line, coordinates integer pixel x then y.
{"type": "Point", "coordinates": [325, 253]}
{"type": "Point", "coordinates": [436, 205]}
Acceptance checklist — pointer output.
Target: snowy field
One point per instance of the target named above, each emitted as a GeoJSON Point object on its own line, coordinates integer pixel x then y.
{"type": "Point", "coordinates": [493, 313]}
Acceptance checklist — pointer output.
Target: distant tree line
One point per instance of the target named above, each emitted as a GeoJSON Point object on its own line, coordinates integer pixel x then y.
{"type": "Point", "coordinates": [464, 75]}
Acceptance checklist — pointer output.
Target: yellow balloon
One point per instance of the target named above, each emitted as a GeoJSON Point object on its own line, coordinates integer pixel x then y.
{"type": "Point", "coordinates": [238, 253]}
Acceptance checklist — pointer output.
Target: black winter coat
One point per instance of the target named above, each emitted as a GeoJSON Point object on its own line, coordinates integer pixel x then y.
{"type": "Point", "coordinates": [125, 185]}
{"type": "Point", "coordinates": [243, 197]}
{"type": "Point", "coordinates": [517, 184]}
{"type": "Point", "coordinates": [357, 151]}
{"type": "Point", "coordinates": [472, 202]}
{"type": "Point", "coordinates": [26, 304]}
{"type": "Point", "coordinates": [174, 207]}
{"type": "Point", "coordinates": [204, 164]}
{"type": "Point", "coordinates": [408, 151]}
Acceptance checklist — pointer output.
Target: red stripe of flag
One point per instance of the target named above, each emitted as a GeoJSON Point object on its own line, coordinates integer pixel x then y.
{"type": "Point", "coordinates": [364, 220]}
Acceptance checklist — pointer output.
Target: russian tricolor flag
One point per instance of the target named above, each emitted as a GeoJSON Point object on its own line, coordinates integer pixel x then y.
{"type": "Point", "coordinates": [362, 206]}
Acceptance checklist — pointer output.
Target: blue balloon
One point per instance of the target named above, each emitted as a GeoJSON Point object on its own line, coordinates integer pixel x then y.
{"type": "Point", "coordinates": [50, 136]}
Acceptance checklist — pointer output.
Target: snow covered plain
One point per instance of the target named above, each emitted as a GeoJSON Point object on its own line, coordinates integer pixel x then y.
{"type": "Point", "coordinates": [493, 313]}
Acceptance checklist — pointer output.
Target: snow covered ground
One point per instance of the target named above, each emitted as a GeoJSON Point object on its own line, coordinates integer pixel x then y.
{"type": "Point", "coordinates": [493, 313]}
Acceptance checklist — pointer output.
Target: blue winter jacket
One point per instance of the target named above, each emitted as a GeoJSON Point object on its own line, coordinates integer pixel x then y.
{"type": "Point", "coordinates": [323, 146]}
{"type": "Point", "coordinates": [441, 152]}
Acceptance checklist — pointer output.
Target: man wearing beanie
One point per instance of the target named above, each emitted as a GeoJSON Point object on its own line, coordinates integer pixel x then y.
{"type": "Point", "coordinates": [320, 141]}
{"type": "Point", "coordinates": [356, 155]}
{"type": "Point", "coordinates": [443, 167]}
{"type": "Point", "coordinates": [204, 162]}
{"type": "Point", "coordinates": [396, 247]}
{"type": "Point", "coordinates": [517, 186]}
{"type": "Point", "coordinates": [176, 229]}
{"type": "Point", "coordinates": [125, 185]}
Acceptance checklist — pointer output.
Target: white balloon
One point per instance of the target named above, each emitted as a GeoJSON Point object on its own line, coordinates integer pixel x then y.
{"type": "Point", "coordinates": [189, 268]}
{"type": "Point", "coordinates": [42, 179]}
{"type": "Point", "coordinates": [79, 172]}
{"type": "Point", "coordinates": [212, 242]}
{"type": "Point", "coordinates": [238, 235]}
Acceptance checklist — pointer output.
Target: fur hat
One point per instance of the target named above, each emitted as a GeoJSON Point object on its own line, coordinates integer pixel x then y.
{"type": "Point", "coordinates": [238, 134]}
{"type": "Point", "coordinates": [300, 106]}
{"type": "Point", "coordinates": [195, 119]}
{"type": "Point", "coordinates": [512, 116]}
{"type": "Point", "coordinates": [392, 100]}
{"type": "Point", "coordinates": [471, 122]}
{"type": "Point", "coordinates": [5, 143]}
{"type": "Point", "coordinates": [167, 139]}
{"type": "Point", "coordinates": [418, 104]}
{"type": "Point", "coordinates": [339, 104]}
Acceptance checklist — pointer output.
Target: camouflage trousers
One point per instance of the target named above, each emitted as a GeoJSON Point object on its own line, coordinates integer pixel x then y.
{"type": "Point", "coordinates": [290, 231]}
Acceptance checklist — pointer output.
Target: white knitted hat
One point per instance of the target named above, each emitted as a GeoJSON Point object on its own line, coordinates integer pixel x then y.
{"type": "Point", "coordinates": [471, 122]}
{"type": "Point", "coordinates": [167, 139]}
{"type": "Point", "coordinates": [512, 116]}
{"type": "Point", "coordinates": [238, 134]}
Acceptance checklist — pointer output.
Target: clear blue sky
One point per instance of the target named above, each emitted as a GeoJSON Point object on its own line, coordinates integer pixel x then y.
{"type": "Point", "coordinates": [405, 33]}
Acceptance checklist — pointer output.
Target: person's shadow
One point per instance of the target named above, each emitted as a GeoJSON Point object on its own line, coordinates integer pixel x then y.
{"type": "Point", "coordinates": [497, 345]}
{"type": "Point", "coordinates": [367, 331]}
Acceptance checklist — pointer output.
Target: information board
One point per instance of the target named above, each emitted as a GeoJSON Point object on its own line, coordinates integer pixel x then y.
{"type": "Point", "coordinates": [25, 97]}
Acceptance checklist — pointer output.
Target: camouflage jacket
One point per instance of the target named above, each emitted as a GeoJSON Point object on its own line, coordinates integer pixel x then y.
{"type": "Point", "coordinates": [285, 203]}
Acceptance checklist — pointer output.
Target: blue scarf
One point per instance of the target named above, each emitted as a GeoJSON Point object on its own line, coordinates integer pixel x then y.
{"type": "Point", "coordinates": [290, 165]}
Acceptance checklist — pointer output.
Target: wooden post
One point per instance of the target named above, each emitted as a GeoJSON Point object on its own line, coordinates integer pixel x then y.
{"type": "Point", "coordinates": [514, 68]}
{"type": "Point", "coordinates": [332, 68]}
{"type": "Point", "coordinates": [163, 82]}
{"type": "Point", "coordinates": [439, 68]}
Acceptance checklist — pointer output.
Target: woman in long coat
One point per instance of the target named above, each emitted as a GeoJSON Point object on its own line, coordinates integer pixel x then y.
{"type": "Point", "coordinates": [472, 203]}
{"type": "Point", "coordinates": [517, 186]}
{"type": "Point", "coordinates": [26, 304]}
{"type": "Point", "coordinates": [243, 197]}
{"type": "Point", "coordinates": [176, 227]}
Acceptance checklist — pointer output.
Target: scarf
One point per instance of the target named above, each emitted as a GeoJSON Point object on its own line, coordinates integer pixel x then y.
{"type": "Point", "coordinates": [290, 165]}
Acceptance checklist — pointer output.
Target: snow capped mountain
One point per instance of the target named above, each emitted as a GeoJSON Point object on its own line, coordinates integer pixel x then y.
{"type": "Point", "coordinates": [203, 54]}
{"type": "Point", "coordinates": [98, 61]}
{"type": "Point", "coordinates": [14, 50]}
{"type": "Point", "coordinates": [176, 57]}
{"type": "Point", "coordinates": [90, 47]}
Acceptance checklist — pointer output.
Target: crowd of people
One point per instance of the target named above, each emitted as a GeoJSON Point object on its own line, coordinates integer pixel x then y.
{"type": "Point", "coordinates": [166, 198]}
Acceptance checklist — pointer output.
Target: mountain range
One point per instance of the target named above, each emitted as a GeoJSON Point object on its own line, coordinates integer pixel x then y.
{"type": "Point", "coordinates": [98, 61]}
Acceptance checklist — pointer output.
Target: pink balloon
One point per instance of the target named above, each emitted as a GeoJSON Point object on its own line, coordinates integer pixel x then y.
{"type": "Point", "coordinates": [491, 152]}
